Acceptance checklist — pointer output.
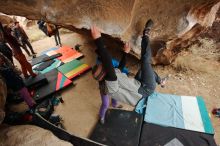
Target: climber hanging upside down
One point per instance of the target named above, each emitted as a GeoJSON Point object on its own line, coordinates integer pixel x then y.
{"type": "Point", "coordinates": [119, 85]}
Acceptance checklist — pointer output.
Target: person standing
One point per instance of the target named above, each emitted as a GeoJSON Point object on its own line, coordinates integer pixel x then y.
{"type": "Point", "coordinates": [21, 36]}
{"type": "Point", "coordinates": [4, 48]}
{"type": "Point", "coordinates": [49, 30]}
{"type": "Point", "coordinates": [13, 80]}
{"type": "Point", "coordinates": [25, 65]}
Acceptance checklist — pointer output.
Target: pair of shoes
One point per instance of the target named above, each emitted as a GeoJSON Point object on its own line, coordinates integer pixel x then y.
{"type": "Point", "coordinates": [102, 120]}
{"type": "Point", "coordinates": [148, 26]}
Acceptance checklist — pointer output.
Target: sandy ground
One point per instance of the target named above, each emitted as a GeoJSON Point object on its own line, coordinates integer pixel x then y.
{"type": "Point", "coordinates": [82, 102]}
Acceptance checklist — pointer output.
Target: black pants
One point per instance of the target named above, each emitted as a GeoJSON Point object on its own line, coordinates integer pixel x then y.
{"type": "Point", "coordinates": [146, 75]}
{"type": "Point", "coordinates": [57, 37]}
{"type": "Point", "coordinates": [26, 43]}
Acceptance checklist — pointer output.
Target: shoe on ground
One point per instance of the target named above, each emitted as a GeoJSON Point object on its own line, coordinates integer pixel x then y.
{"type": "Point", "coordinates": [102, 121]}
{"type": "Point", "coordinates": [34, 56]}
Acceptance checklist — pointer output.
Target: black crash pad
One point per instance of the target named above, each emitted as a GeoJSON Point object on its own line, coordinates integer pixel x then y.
{"type": "Point", "coordinates": [155, 135]}
{"type": "Point", "coordinates": [38, 59]}
{"type": "Point", "coordinates": [35, 82]}
{"type": "Point", "coordinates": [121, 128]}
{"type": "Point", "coordinates": [62, 134]}
{"type": "Point", "coordinates": [56, 82]}
{"type": "Point", "coordinates": [44, 58]}
{"type": "Point", "coordinates": [52, 57]}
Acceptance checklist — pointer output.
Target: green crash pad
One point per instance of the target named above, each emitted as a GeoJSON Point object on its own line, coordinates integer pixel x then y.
{"type": "Point", "coordinates": [73, 68]}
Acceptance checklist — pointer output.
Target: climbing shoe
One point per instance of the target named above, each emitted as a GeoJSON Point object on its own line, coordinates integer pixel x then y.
{"type": "Point", "coordinates": [148, 26]}
{"type": "Point", "coordinates": [102, 121]}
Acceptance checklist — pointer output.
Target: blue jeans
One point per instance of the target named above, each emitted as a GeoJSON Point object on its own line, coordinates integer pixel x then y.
{"type": "Point", "coordinates": [146, 74]}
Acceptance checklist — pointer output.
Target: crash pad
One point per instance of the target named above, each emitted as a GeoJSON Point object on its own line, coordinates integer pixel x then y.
{"type": "Point", "coordinates": [44, 65]}
{"type": "Point", "coordinates": [54, 65]}
{"type": "Point", "coordinates": [121, 128]}
{"type": "Point", "coordinates": [56, 82]}
{"type": "Point", "coordinates": [155, 135]}
{"type": "Point", "coordinates": [68, 54]}
{"type": "Point", "coordinates": [185, 112]}
{"type": "Point", "coordinates": [73, 68]}
{"type": "Point", "coordinates": [38, 59]}
{"type": "Point", "coordinates": [48, 50]}
{"type": "Point", "coordinates": [44, 58]}
{"type": "Point", "coordinates": [35, 82]}
{"type": "Point", "coordinates": [52, 57]}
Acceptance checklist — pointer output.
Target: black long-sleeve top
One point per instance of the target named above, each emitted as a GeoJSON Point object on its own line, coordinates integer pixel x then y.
{"type": "Point", "coordinates": [106, 60]}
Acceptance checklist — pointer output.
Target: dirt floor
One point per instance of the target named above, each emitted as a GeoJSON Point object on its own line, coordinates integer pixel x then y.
{"type": "Point", "coordinates": [82, 102]}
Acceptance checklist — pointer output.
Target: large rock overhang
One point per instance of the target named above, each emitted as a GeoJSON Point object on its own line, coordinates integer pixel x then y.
{"type": "Point", "coordinates": [176, 22]}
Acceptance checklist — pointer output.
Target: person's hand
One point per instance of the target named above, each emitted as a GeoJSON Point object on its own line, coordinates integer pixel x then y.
{"type": "Point", "coordinates": [127, 47]}
{"type": "Point", "coordinates": [95, 32]}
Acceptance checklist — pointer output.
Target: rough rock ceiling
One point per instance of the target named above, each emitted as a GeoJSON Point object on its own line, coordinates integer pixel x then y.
{"type": "Point", "coordinates": [176, 21]}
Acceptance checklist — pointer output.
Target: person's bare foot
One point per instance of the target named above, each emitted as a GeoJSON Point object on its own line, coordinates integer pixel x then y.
{"type": "Point", "coordinates": [164, 80]}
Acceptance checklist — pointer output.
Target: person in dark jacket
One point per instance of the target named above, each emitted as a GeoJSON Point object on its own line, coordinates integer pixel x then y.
{"type": "Point", "coordinates": [13, 80]}
{"type": "Point", "coordinates": [4, 49]}
{"type": "Point", "coordinates": [25, 65]}
{"type": "Point", "coordinates": [21, 36]}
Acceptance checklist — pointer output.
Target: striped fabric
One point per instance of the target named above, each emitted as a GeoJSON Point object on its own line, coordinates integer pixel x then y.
{"type": "Point", "coordinates": [185, 112]}
{"type": "Point", "coordinates": [73, 68]}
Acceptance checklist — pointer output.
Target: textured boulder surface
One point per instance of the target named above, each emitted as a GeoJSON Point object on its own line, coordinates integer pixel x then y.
{"type": "Point", "coordinates": [176, 21]}
{"type": "Point", "coordinates": [3, 94]}
{"type": "Point", "coordinates": [28, 135]}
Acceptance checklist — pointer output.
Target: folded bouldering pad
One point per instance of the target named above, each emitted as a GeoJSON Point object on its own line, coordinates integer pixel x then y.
{"type": "Point", "coordinates": [44, 58]}
{"type": "Point", "coordinates": [52, 57]}
{"type": "Point", "coordinates": [73, 68]}
{"type": "Point", "coordinates": [185, 112]}
{"type": "Point", "coordinates": [121, 128]}
{"type": "Point", "coordinates": [48, 50]}
{"type": "Point", "coordinates": [38, 59]}
{"type": "Point", "coordinates": [46, 66]}
{"type": "Point", "coordinates": [35, 82]}
{"type": "Point", "coordinates": [56, 82]}
{"type": "Point", "coordinates": [68, 54]}
{"type": "Point", "coordinates": [155, 135]}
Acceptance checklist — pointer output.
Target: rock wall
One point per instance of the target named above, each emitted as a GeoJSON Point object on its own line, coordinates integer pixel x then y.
{"type": "Point", "coordinates": [28, 135]}
{"type": "Point", "coordinates": [3, 94]}
{"type": "Point", "coordinates": [124, 19]}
